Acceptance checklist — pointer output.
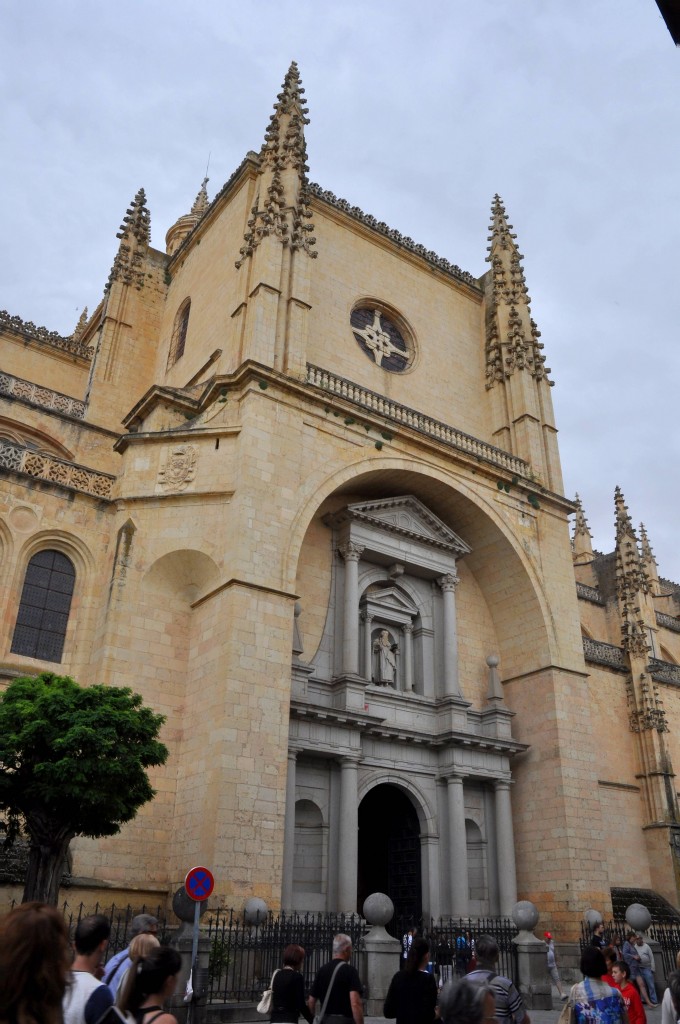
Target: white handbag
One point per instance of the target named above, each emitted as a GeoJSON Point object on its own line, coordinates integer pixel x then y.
{"type": "Point", "coordinates": [265, 1004]}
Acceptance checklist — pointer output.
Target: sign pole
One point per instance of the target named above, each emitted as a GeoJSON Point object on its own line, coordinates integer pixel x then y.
{"type": "Point", "coordinates": [199, 884]}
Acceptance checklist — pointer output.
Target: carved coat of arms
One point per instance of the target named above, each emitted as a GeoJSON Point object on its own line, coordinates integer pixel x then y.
{"type": "Point", "coordinates": [179, 468]}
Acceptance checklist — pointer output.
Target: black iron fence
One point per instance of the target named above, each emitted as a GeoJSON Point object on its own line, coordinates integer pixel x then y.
{"type": "Point", "coordinates": [666, 933]}
{"type": "Point", "coordinates": [119, 919]}
{"type": "Point", "coordinates": [243, 957]}
{"type": "Point", "coordinates": [453, 942]}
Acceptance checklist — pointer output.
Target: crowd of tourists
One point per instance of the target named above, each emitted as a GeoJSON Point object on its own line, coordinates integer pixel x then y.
{"type": "Point", "coordinates": [46, 980]}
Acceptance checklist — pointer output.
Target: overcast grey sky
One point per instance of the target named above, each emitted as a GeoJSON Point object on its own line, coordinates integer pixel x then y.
{"type": "Point", "coordinates": [420, 111]}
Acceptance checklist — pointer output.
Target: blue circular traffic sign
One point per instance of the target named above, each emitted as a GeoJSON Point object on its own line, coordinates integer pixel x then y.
{"type": "Point", "coordinates": [199, 883]}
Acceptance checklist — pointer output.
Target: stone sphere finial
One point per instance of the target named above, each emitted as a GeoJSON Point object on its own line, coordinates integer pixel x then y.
{"type": "Point", "coordinates": [525, 915]}
{"type": "Point", "coordinates": [638, 917]}
{"type": "Point", "coordinates": [378, 908]}
{"type": "Point", "coordinates": [493, 661]}
{"type": "Point", "coordinates": [255, 910]}
{"type": "Point", "coordinates": [592, 918]}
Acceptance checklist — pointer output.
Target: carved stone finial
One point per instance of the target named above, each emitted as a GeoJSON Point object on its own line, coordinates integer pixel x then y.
{"type": "Point", "coordinates": [81, 325]}
{"type": "Point", "coordinates": [282, 207]}
{"type": "Point", "coordinates": [201, 202]}
{"type": "Point", "coordinates": [135, 237]}
{"type": "Point", "coordinates": [582, 543]}
{"type": "Point", "coordinates": [511, 334]}
{"type": "Point", "coordinates": [495, 687]}
{"type": "Point", "coordinates": [185, 224]}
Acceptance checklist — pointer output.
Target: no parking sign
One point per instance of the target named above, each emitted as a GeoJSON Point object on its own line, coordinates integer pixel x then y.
{"type": "Point", "coordinates": [199, 883]}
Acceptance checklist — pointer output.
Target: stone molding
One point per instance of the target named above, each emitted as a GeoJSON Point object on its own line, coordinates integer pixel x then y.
{"type": "Point", "coordinates": [371, 400]}
{"type": "Point", "coordinates": [403, 241]}
{"type": "Point", "coordinates": [27, 329]}
{"type": "Point", "coordinates": [17, 387]}
{"type": "Point", "coordinates": [57, 471]}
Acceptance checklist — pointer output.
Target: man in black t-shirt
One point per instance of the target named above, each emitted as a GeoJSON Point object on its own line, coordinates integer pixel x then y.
{"type": "Point", "coordinates": [344, 1005]}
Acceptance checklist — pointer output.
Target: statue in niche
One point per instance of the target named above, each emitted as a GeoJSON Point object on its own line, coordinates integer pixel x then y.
{"type": "Point", "coordinates": [387, 658]}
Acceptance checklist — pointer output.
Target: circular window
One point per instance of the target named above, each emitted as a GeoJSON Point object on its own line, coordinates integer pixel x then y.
{"type": "Point", "coordinates": [385, 341]}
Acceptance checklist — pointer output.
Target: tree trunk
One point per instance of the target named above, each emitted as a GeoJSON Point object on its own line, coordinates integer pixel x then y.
{"type": "Point", "coordinates": [46, 859]}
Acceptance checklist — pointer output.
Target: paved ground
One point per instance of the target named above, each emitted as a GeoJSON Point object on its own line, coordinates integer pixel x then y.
{"type": "Point", "coordinates": [543, 1016]}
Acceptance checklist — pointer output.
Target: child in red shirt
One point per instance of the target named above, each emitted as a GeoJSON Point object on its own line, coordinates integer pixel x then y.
{"type": "Point", "coordinates": [631, 996]}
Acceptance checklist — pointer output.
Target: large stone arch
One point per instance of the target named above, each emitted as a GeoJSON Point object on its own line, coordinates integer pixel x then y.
{"type": "Point", "coordinates": [504, 565]}
{"type": "Point", "coordinates": [423, 807]}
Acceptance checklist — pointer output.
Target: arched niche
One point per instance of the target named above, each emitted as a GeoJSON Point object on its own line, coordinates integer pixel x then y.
{"type": "Point", "coordinates": [185, 574]}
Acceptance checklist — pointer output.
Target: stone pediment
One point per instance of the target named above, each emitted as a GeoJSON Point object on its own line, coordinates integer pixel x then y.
{"type": "Point", "coordinates": [391, 599]}
{"type": "Point", "coordinates": [407, 516]}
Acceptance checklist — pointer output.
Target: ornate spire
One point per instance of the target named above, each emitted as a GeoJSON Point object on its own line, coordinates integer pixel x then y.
{"type": "Point", "coordinates": [511, 334]}
{"type": "Point", "coordinates": [648, 560]}
{"type": "Point", "coordinates": [135, 237]}
{"type": "Point", "coordinates": [282, 207]}
{"type": "Point", "coordinates": [81, 325]}
{"type": "Point", "coordinates": [582, 543]}
{"type": "Point", "coordinates": [632, 581]}
{"type": "Point", "coordinates": [185, 224]}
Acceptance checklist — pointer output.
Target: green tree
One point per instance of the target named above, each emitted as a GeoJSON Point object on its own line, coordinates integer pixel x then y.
{"type": "Point", "coordinates": [72, 763]}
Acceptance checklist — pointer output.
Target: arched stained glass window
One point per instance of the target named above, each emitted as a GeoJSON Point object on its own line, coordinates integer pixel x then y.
{"type": "Point", "coordinates": [44, 607]}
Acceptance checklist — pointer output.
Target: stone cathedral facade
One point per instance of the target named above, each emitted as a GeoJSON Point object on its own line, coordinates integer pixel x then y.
{"type": "Point", "coordinates": [296, 481]}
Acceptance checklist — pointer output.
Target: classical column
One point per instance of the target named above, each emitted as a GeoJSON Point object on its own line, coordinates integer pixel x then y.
{"type": "Point", "coordinates": [505, 848]}
{"type": "Point", "coordinates": [289, 834]}
{"type": "Point", "coordinates": [350, 640]}
{"type": "Point", "coordinates": [368, 647]}
{"type": "Point", "coordinates": [348, 847]}
{"type": "Point", "coordinates": [458, 865]}
{"type": "Point", "coordinates": [408, 657]}
{"type": "Point", "coordinates": [448, 588]}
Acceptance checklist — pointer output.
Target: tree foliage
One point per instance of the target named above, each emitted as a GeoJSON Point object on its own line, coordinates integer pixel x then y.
{"type": "Point", "coordinates": [73, 762]}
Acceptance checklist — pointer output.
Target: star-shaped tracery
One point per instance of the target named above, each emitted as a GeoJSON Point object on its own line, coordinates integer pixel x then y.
{"type": "Point", "coordinates": [379, 338]}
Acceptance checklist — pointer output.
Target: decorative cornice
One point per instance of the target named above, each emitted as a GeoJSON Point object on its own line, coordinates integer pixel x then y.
{"type": "Point", "coordinates": [370, 512]}
{"type": "Point", "coordinates": [403, 241]}
{"type": "Point", "coordinates": [46, 398]}
{"type": "Point", "coordinates": [135, 238]}
{"type": "Point", "coordinates": [27, 329]}
{"type": "Point", "coordinates": [282, 207]}
{"type": "Point", "coordinates": [511, 334]}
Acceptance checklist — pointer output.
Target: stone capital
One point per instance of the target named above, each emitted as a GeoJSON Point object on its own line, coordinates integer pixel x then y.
{"type": "Point", "coordinates": [448, 582]}
{"type": "Point", "coordinates": [350, 551]}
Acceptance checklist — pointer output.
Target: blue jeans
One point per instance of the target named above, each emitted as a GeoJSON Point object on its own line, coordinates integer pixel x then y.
{"type": "Point", "coordinates": [648, 978]}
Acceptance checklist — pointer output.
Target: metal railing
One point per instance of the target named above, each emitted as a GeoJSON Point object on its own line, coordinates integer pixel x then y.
{"type": "Point", "coordinates": [666, 933]}
{"type": "Point", "coordinates": [243, 957]}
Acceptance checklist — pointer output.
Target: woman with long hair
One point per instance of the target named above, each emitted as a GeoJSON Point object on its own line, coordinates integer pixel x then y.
{"type": "Point", "coordinates": [412, 995]}
{"type": "Point", "coordinates": [34, 961]}
{"type": "Point", "coordinates": [288, 989]}
{"type": "Point", "coordinates": [140, 946]}
{"type": "Point", "coordinates": [149, 984]}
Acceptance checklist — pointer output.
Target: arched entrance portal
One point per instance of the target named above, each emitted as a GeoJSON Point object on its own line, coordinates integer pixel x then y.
{"type": "Point", "coordinates": [389, 850]}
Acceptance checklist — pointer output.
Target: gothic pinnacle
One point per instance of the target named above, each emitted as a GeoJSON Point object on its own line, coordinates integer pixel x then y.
{"type": "Point", "coordinates": [645, 546]}
{"type": "Point", "coordinates": [580, 523]}
{"type": "Point", "coordinates": [81, 325]}
{"type": "Point", "coordinates": [137, 220]}
{"type": "Point", "coordinates": [134, 235]}
{"type": "Point", "coordinates": [282, 208]}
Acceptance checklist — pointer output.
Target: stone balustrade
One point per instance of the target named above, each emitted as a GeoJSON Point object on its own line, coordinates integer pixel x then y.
{"type": "Point", "coordinates": [668, 622]}
{"type": "Point", "coordinates": [38, 464]}
{"type": "Point", "coordinates": [27, 329]}
{"type": "Point", "coordinates": [46, 398]}
{"type": "Point", "coordinates": [402, 414]}
{"type": "Point", "coordinates": [601, 653]}
{"type": "Point", "coordinates": [664, 671]}
{"type": "Point", "coordinates": [589, 593]}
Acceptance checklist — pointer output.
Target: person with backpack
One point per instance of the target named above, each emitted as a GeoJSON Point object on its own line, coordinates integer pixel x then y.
{"type": "Point", "coordinates": [510, 1008]}
{"type": "Point", "coordinates": [593, 1001]}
